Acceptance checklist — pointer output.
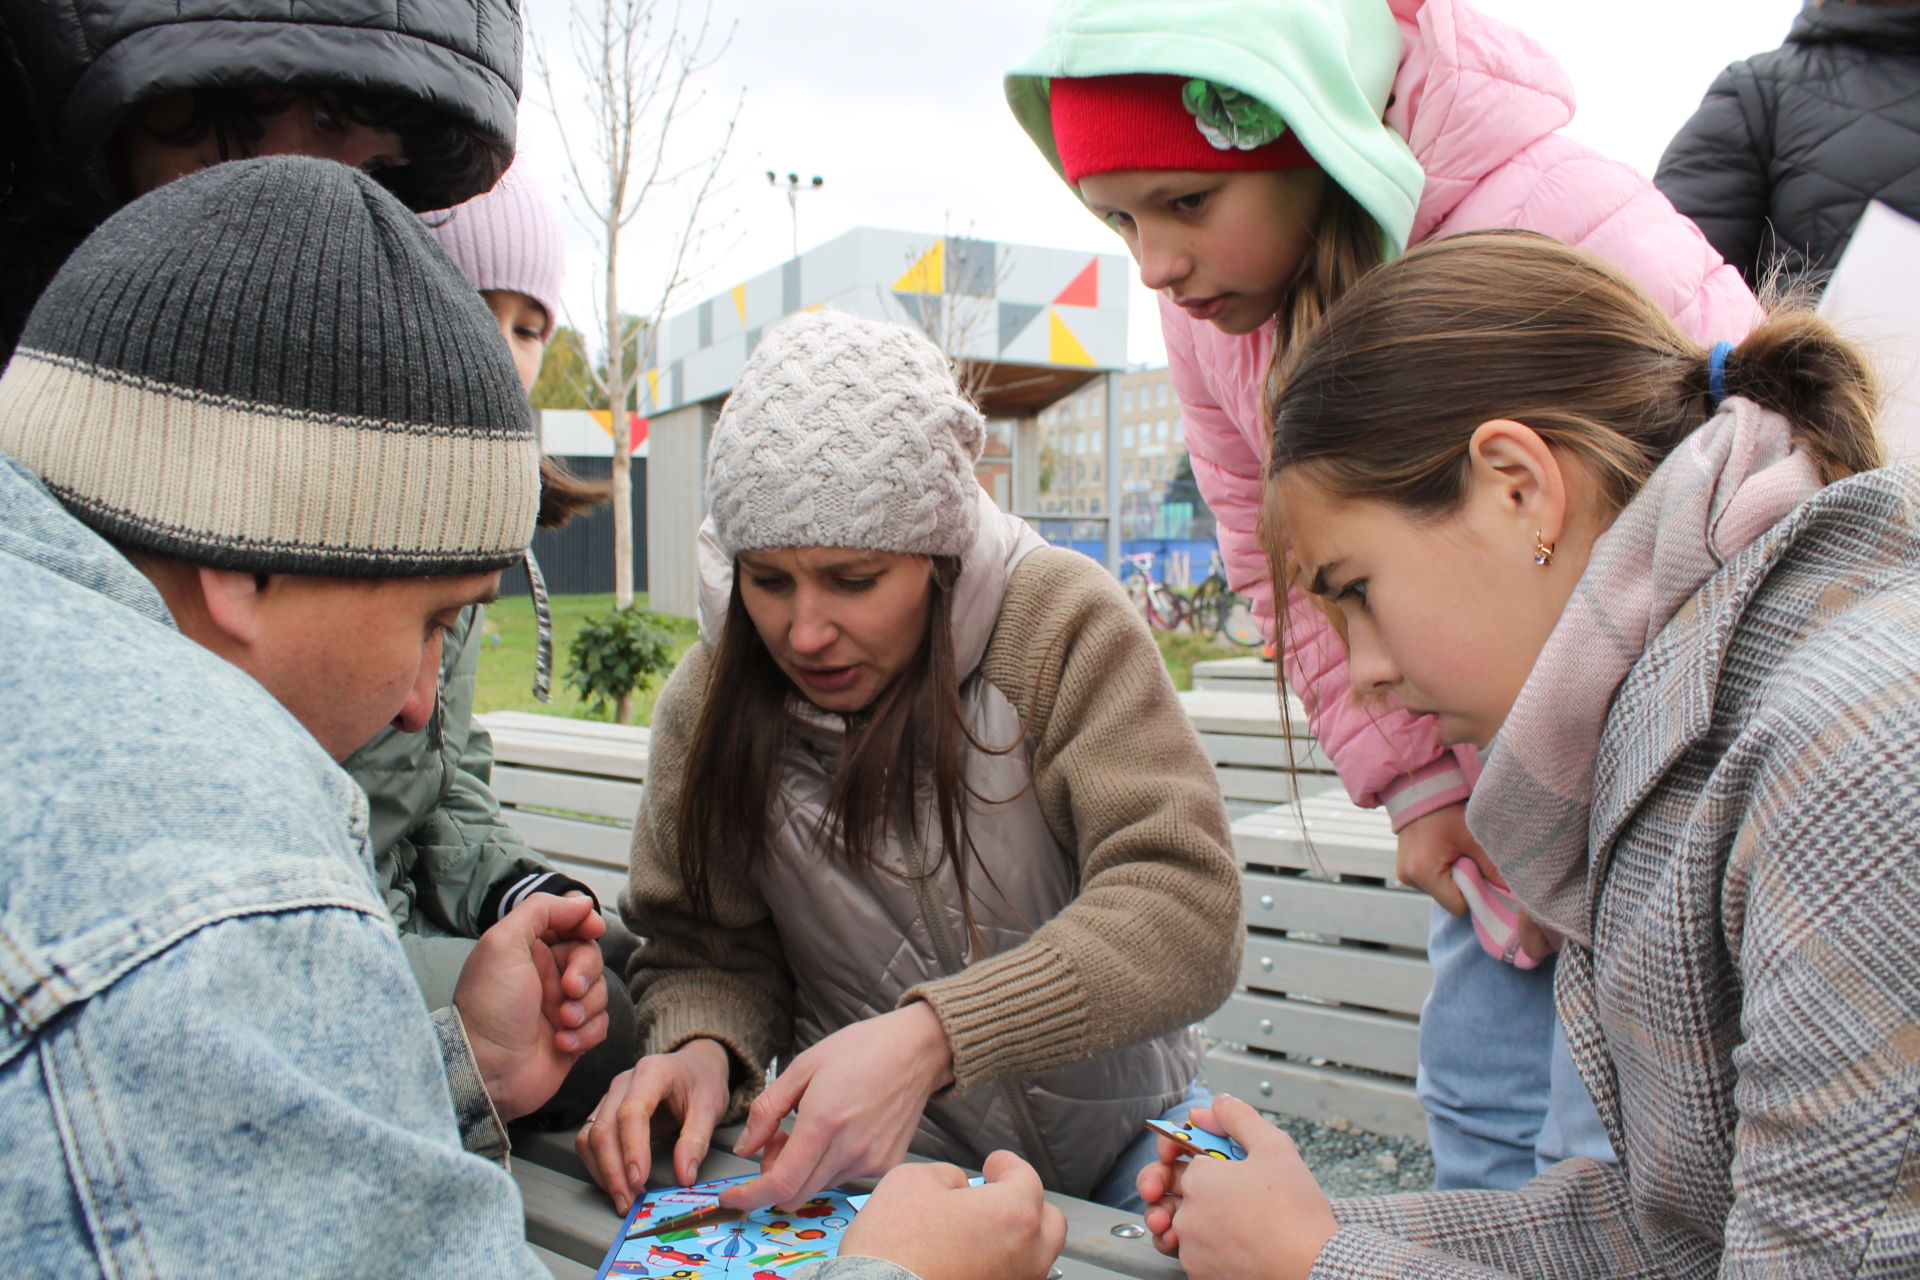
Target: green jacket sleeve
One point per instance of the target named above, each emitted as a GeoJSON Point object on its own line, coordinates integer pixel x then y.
{"type": "Point", "coordinates": [439, 843]}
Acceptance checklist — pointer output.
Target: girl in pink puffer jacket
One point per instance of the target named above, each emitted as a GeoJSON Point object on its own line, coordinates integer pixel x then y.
{"type": "Point", "coordinates": [1257, 158]}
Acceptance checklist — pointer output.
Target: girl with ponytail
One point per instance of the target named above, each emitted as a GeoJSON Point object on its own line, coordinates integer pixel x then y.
{"type": "Point", "coordinates": [1664, 584]}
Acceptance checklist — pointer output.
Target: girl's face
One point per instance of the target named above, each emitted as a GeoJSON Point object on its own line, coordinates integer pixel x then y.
{"type": "Point", "coordinates": [1224, 247]}
{"type": "Point", "coordinates": [1449, 615]}
{"type": "Point", "coordinates": [841, 624]}
{"type": "Point", "coordinates": [522, 321]}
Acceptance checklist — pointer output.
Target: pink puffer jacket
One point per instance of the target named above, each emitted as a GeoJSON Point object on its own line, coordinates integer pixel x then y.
{"type": "Point", "coordinates": [1479, 103]}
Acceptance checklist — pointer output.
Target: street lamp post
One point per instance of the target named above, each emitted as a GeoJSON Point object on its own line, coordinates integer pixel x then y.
{"type": "Point", "coordinates": [794, 188]}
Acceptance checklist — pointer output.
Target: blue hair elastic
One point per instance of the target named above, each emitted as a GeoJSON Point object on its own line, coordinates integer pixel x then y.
{"type": "Point", "coordinates": [1717, 373]}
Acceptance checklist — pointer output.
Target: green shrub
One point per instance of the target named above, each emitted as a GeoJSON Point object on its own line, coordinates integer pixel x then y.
{"type": "Point", "coordinates": [616, 654]}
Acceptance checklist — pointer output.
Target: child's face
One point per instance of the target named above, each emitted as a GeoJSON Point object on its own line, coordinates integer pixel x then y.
{"type": "Point", "coordinates": [303, 128]}
{"type": "Point", "coordinates": [1222, 246]}
{"type": "Point", "coordinates": [522, 321]}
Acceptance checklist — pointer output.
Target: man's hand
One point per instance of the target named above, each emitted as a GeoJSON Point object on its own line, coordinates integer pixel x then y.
{"type": "Point", "coordinates": [925, 1217]}
{"type": "Point", "coordinates": [533, 996]}
{"type": "Point", "coordinates": [616, 1144]}
{"type": "Point", "coordinates": [859, 1094]}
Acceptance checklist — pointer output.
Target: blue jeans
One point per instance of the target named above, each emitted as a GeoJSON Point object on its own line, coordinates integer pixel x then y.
{"type": "Point", "coordinates": [1116, 1189]}
{"type": "Point", "coordinates": [1504, 1100]}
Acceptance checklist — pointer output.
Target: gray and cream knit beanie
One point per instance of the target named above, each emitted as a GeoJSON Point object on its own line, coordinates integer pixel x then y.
{"type": "Point", "coordinates": [845, 432]}
{"type": "Point", "coordinates": [270, 366]}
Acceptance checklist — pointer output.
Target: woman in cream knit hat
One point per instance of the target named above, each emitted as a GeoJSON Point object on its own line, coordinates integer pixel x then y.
{"type": "Point", "coordinates": [924, 820]}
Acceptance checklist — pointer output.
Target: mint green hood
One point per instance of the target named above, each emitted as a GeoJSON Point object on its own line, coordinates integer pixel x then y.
{"type": "Point", "coordinates": [1327, 66]}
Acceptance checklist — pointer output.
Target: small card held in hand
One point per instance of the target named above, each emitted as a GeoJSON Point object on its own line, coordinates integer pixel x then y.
{"type": "Point", "coordinates": [1196, 1141]}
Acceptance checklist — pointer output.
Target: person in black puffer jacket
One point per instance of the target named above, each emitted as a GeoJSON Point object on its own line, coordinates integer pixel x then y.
{"type": "Point", "coordinates": [1789, 146]}
{"type": "Point", "coordinates": [89, 88]}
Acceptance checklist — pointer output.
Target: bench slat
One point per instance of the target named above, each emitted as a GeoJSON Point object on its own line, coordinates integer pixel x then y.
{"type": "Point", "coordinates": [577, 755]}
{"type": "Point", "coordinates": [615, 798]}
{"type": "Point", "coordinates": [1397, 917]}
{"type": "Point", "coordinates": [594, 843]}
{"type": "Point", "coordinates": [1319, 1093]}
{"type": "Point", "coordinates": [1351, 975]}
{"type": "Point", "coordinates": [1350, 1037]}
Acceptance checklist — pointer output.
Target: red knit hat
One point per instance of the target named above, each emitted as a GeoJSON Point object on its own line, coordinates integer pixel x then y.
{"type": "Point", "coordinates": [1102, 124]}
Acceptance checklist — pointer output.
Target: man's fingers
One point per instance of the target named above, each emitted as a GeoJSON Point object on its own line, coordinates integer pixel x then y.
{"type": "Point", "coordinates": [584, 968]}
{"type": "Point", "coordinates": [1004, 1167]}
{"type": "Point", "coordinates": [1239, 1121]}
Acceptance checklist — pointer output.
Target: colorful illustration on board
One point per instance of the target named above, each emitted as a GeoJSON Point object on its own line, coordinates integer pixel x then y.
{"type": "Point", "coordinates": [681, 1233]}
{"type": "Point", "coordinates": [1197, 1141]}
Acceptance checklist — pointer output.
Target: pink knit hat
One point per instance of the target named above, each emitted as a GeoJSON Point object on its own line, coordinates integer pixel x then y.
{"type": "Point", "coordinates": [507, 238]}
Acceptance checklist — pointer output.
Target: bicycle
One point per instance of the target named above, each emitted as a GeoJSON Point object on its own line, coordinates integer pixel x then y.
{"type": "Point", "coordinates": [1162, 606]}
{"type": "Point", "coordinates": [1214, 609]}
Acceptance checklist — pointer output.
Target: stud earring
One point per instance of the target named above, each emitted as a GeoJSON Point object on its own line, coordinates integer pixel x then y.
{"type": "Point", "coordinates": [1542, 551]}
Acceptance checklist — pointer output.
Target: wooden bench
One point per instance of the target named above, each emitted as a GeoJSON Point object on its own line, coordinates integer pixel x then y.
{"type": "Point", "coordinates": [571, 788]}
{"type": "Point", "coordinates": [571, 1223]}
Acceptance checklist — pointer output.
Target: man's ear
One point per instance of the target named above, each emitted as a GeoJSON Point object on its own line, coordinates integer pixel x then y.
{"type": "Point", "coordinates": [1512, 467]}
{"type": "Point", "coordinates": [235, 603]}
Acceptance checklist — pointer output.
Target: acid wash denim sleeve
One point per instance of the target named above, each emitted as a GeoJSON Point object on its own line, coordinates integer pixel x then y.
{"type": "Point", "coordinates": [193, 1120]}
{"type": "Point", "coordinates": [213, 1058]}
{"type": "Point", "coordinates": [854, 1269]}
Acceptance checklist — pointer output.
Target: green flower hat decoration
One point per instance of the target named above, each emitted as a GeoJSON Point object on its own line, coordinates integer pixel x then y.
{"type": "Point", "coordinates": [1229, 119]}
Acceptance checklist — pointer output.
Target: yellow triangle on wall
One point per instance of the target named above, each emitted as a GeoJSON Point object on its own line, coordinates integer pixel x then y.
{"type": "Point", "coordinates": [653, 386]}
{"type": "Point", "coordinates": [603, 418]}
{"type": "Point", "coordinates": [929, 274]}
{"type": "Point", "coordinates": [740, 301]}
{"type": "Point", "coordinates": [1062, 346]}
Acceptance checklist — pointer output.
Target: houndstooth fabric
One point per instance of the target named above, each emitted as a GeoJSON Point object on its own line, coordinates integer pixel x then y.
{"type": "Point", "coordinates": [1748, 1015]}
{"type": "Point", "coordinates": [845, 432]}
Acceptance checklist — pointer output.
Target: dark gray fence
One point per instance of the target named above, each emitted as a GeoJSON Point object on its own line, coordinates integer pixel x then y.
{"type": "Point", "coordinates": [578, 560]}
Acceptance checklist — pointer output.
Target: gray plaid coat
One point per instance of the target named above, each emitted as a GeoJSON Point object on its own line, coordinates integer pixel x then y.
{"type": "Point", "coordinates": [1748, 1019]}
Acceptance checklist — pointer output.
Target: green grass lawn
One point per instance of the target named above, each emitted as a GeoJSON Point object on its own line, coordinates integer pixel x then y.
{"type": "Point", "coordinates": [506, 667]}
{"type": "Point", "coordinates": [505, 681]}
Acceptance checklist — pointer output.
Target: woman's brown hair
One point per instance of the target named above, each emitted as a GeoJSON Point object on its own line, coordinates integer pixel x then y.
{"type": "Point", "coordinates": [916, 728]}
{"type": "Point", "coordinates": [1383, 398]}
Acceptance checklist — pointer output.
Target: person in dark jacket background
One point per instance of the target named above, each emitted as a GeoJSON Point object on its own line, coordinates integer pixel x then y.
{"type": "Point", "coordinates": [1789, 146]}
{"type": "Point", "coordinates": [106, 102]}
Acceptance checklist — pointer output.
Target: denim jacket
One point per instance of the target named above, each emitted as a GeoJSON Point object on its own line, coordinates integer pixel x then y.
{"type": "Point", "coordinates": [213, 1058]}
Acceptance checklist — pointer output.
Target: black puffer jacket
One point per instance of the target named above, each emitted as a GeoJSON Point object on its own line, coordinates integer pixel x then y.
{"type": "Point", "coordinates": [73, 68]}
{"type": "Point", "coordinates": [1789, 146]}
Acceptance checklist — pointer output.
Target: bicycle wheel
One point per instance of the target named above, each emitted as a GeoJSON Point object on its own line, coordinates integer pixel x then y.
{"type": "Point", "coordinates": [1238, 624]}
{"type": "Point", "coordinates": [1166, 610]}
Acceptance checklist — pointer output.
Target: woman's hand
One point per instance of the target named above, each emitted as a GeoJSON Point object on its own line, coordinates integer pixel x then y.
{"type": "Point", "coordinates": [1262, 1218]}
{"type": "Point", "coordinates": [859, 1094]}
{"type": "Point", "coordinates": [925, 1217]}
{"type": "Point", "coordinates": [616, 1144]}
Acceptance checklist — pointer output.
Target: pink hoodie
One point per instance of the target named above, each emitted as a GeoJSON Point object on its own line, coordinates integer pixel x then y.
{"type": "Point", "coordinates": [1478, 102]}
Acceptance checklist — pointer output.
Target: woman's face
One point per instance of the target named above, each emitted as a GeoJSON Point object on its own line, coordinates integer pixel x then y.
{"type": "Point", "coordinates": [1448, 615]}
{"type": "Point", "coordinates": [841, 624]}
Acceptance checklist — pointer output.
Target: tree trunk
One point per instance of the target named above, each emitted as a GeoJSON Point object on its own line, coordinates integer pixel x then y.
{"type": "Point", "coordinates": [618, 379]}
{"type": "Point", "coordinates": [623, 709]}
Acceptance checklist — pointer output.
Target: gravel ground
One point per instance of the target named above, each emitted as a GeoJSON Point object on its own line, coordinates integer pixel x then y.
{"type": "Point", "coordinates": [1351, 1163]}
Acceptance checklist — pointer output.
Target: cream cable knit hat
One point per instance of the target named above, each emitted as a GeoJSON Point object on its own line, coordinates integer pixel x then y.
{"type": "Point", "coordinates": [845, 432]}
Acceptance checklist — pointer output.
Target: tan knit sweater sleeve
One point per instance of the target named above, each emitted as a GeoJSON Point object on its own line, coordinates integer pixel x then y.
{"type": "Point", "coordinates": [1152, 941]}
{"type": "Point", "coordinates": [723, 977]}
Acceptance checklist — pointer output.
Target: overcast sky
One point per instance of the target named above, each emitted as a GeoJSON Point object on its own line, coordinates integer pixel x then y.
{"type": "Point", "coordinates": [897, 104]}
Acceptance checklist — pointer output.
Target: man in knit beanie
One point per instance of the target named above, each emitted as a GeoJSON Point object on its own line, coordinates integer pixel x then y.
{"type": "Point", "coordinates": [259, 446]}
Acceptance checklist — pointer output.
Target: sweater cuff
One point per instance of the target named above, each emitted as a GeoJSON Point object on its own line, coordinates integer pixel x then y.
{"type": "Point", "coordinates": [480, 1129]}
{"type": "Point", "coordinates": [1015, 1014]}
{"type": "Point", "coordinates": [671, 1028]}
{"type": "Point", "coordinates": [508, 894]}
{"type": "Point", "coordinates": [1432, 786]}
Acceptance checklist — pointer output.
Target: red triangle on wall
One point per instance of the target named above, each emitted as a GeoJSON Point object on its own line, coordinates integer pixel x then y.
{"type": "Point", "coordinates": [1085, 289]}
{"type": "Point", "coordinates": [637, 428]}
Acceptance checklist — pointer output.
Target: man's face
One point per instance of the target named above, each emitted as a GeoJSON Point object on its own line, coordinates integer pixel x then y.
{"type": "Point", "coordinates": [348, 657]}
